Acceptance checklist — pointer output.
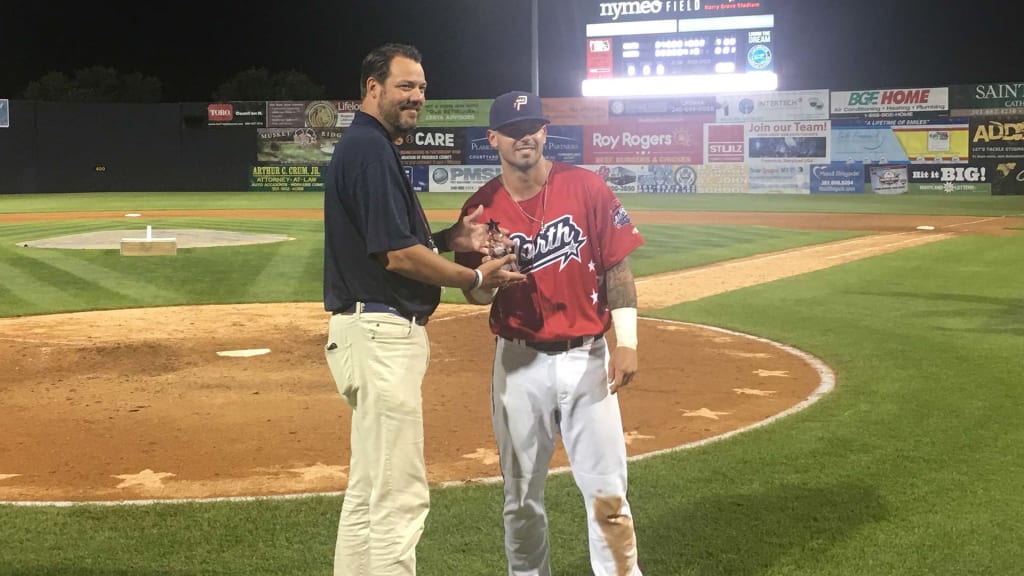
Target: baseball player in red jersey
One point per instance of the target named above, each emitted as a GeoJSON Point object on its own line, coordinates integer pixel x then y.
{"type": "Point", "coordinates": [553, 373]}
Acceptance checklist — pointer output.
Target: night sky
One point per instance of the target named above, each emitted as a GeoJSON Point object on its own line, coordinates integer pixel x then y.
{"type": "Point", "coordinates": [479, 48]}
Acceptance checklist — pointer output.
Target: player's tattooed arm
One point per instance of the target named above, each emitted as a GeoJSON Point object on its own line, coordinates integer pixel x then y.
{"type": "Point", "coordinates": [621, 288]}
{"type": "Point", "coordinates": [621, 291]}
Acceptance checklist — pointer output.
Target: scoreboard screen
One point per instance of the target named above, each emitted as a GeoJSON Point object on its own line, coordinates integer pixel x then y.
{"type": "Point", "coordinates": [709, 53]}
{"type": "Point", "coordinates": [717, 52]}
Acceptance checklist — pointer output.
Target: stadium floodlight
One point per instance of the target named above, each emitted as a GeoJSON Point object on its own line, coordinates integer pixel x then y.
{"type": "Point", "coordinates": [681, 85]}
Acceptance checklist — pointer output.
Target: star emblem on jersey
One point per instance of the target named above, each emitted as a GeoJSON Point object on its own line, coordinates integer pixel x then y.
{"type": "Point", "coordinates": [493, 226]}
{"type": "Point", "coordinates": [593, 296]}
{"type": "Point", "coordinates": [559, 241]}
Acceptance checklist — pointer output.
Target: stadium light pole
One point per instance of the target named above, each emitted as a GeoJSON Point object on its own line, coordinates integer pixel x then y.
{"type": "Point", "coordinates": [535, 49]}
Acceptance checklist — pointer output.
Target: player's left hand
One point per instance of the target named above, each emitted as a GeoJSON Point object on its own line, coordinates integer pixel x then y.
{"type": "Point", "coordinates": [622, 368]}
{"type": "Point", "coordinates": [468, 235]}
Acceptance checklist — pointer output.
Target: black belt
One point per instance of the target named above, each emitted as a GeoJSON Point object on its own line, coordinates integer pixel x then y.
{"type": "Point", "coordinates": [556, 345]}
{"type": "Point", "coordinates": [380, 307]}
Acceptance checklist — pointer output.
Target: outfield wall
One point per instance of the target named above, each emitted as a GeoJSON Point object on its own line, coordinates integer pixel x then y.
{"type": "Point", "coordinates": [941, 140]}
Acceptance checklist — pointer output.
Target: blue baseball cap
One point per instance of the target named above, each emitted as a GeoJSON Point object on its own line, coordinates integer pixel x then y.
{"type": "Point", "coordinates": [516, 106]}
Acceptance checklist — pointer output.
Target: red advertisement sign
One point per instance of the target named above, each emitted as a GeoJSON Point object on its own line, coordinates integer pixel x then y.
{"type": "Point", "coordinates": [726, 143]}
{"type": "Point", "coordinates": [628, 140]}
{"type": "Point", "coordinates": [599, 58]}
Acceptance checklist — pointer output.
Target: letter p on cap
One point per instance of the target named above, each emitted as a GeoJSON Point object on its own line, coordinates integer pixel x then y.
{"type": "Point", "coordinates": [520, 101]}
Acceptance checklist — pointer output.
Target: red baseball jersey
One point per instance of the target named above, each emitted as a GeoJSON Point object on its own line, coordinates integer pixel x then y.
{"type": "Point", "coordinates": [585, 232]}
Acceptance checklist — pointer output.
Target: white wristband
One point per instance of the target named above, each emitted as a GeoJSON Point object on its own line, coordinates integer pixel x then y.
{"type": "Point", "coordinates": [483, 295]}
{"type": "Point", "coordinates": [625, 327]}
{"type": "Point", "coordinates": [478, 280]}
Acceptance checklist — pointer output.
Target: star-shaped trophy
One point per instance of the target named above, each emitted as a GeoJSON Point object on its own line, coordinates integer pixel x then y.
{"type": "Point", "coordinates": [496, 243]}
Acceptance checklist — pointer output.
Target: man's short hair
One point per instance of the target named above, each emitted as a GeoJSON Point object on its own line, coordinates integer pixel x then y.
{"type": "Point", "coordinates": [377, 64]}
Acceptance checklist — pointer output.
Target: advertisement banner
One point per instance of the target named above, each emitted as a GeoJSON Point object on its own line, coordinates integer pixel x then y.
{"type": "Point", "coordinates": [891, 103]}
{"type": "Point", "coordinates": [803, 142]}
{"type": "Point", "coordinates": [296, 145]}
{"type": "Point", "coordinates": [889, 179]}
{"type": "Point", "coordinates": [311, 114]}
{"type": "Point", "coordinates": [576, 111]}
{"type": "Point", "coordinates": [779, 178]}
{"type": "Point", "coordinates": [767, 106]}
{"type": "Point", "coordinates": [1007, 178]}
{"type": "Point", "coordinates": [997, 137]}
{"type": "Point", "coordinates": [723, 179]}
{"type": "Point", "coordinates": [939, 179]}
{"type": "Point", "coordinates": [237, 114]}
{"type": "Point", "coordinates": [647, 179]}
{"type": "Point", "coordinates": [629, 140]}
{"type": "Point", "coordinates": [286, 179]}
{"type": "Point", "coordinates": [426, 146]}
{"type": "Point", "coordinates": [455, 113]}
{"type": "Point", "coordinates": [5, 113]}
{"type": "Point", "coordinates": [564, 144]}
{"type": "Point", "coordinates": [725, 143]}
{"type": "Point", "coordinates": [837, 178]}
{"type": "Point", "coordinates": [677, 106]}
{"type": "Point", "coordinates": [461, 178]}
{"type": "Point", "coordinates": [900, 140]}
{"type": "Point", "coordinates": [987, 99]}
{"type": "Point", "coordinates": [620, 179]}
{"type": "Point", "coordinates": [419, 177]}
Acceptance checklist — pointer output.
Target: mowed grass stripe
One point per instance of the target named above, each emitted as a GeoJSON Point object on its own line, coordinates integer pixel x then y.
{"type": "Point", "coordinates": [105, 274]}
{"type": "Point", "coordinates": [39, 288]}
{"type": "Point", "coordinates": [289, 274]}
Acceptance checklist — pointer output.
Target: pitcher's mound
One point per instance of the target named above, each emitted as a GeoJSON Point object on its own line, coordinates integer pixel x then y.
{"type": "Point", "coordinates": [187, 238]}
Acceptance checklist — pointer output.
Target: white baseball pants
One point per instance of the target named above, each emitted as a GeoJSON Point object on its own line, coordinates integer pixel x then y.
{"type": "Point", "coordinates": [534, 396]}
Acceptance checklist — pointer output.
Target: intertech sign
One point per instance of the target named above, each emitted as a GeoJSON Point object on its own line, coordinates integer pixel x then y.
{"type": "Point", "coordinates": [867, 102]}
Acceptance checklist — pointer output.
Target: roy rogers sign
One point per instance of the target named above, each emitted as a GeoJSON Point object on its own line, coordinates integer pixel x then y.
{"type": "Point", "coordinates": [865, 102]}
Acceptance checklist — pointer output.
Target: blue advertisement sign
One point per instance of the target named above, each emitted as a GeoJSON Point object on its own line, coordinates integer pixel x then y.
{"type": "Point", "coordinates": [564, 144]}
{"type": "Point", "coordinates": [867, 144]}
{"type": "Point", "coordinates": [837, 178]}
{"type": "Point", "coordinates": [418, 176]}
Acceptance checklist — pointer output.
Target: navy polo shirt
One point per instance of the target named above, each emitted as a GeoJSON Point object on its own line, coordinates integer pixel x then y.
{"type": "Point", "coordinates": [369, 209]}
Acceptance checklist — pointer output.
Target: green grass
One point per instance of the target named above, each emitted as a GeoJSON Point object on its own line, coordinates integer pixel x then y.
{"type": "Point", "coordinates": [911, 466]}
{"type": "Point", "coordinates": [38, 280]}
{"type": "Point", "coordinates": [855, 203]}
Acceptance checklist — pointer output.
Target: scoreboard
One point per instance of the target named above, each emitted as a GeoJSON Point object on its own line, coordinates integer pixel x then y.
{"type": "Point", "coordinates": [659, 47]}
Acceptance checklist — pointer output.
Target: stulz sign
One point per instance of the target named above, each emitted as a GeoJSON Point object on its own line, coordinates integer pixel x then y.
{"type": "Point", "coordinates": [911, 100]}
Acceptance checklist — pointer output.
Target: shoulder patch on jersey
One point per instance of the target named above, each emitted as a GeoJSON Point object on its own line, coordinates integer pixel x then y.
{"type": "Point", "coordinates": [620, 217]}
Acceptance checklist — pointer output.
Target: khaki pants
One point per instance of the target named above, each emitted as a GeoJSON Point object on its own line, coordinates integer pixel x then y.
{"type": "Point", "coordinates": [378, 361]}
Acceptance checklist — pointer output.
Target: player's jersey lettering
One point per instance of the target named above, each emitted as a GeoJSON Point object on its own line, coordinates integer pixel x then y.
{"type": "Point", "coordinates": [559, 241]}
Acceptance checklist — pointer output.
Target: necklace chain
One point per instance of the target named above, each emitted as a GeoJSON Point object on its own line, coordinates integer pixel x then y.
{"type": "Point", "coordinates": [544, 201]}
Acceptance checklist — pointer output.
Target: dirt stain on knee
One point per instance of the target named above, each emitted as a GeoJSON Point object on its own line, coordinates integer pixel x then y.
{"type": "Point", "coordinates": [617, 529]}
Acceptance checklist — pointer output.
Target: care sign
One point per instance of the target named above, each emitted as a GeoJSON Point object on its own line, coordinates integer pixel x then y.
{"type": "Point", "coordinates": [900, 101]}
{"type": "Point", "coordinates": [426, 146]}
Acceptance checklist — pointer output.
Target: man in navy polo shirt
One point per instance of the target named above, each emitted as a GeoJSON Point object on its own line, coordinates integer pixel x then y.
{"type": "Point", "coordinates": [382, 279]}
